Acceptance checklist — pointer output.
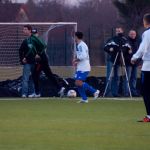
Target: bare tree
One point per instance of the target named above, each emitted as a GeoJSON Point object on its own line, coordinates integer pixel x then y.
{"type": "Point", "coordinates": [132, 11]}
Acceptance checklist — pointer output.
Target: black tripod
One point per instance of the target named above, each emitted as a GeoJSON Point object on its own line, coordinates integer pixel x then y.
{"type": "Point", "coordinates": [110, 76]}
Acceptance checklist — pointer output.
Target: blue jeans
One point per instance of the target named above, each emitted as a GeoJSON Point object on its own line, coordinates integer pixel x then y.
{"type": "Point", "coordinates": [126, 87]}
{"type": "Point", "coordinates": [132, 76]}
{"type": "Point", "coordinates": [113, 86]}
{"type": "Point", "coordinates": [115, 80]}
{"type": "Point", "coordinates": [27, 82]}
{"type": "Point", "coordinates": [108, 70]}
{"type": "Point", "coordinates": [133, 80]}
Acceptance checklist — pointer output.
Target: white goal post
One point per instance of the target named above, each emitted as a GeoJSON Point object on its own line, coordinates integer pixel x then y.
{"type": "Point", "coordinates": [59, 37]}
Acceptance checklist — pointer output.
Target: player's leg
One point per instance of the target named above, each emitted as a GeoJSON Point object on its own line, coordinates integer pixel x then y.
{"type": "Point", "coordinates": [145, 81]}
{"type": "Point", "coordinates": [95, 92]}
{"type": "Point", "coordinates": [80, 78]}
{"type": "Point", "coordinates": [81, 90]}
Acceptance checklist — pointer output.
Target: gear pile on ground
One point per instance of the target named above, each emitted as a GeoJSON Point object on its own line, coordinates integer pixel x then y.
{"type": "Point", "coordinates": [12, 88]}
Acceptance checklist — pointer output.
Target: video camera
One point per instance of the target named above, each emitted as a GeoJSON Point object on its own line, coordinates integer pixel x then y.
{"type": "Point", "coordinates": [112, 47]}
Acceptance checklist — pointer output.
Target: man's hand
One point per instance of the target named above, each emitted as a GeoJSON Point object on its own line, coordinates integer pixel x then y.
{"type": "Point", "coordinates": [24, 61]}
{"type": "Point", "coordinates": [130, 51]}
{"type": "Point", "coordinates": [133, 61]}
{"type": "Point", "coordinates": [75, 62]}
{"type": "Point", "coordinates": [37, 58]}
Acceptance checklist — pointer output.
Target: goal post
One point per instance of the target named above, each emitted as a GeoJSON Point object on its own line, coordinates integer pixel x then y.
{"type": "Point", "coordinates": [59, 37]}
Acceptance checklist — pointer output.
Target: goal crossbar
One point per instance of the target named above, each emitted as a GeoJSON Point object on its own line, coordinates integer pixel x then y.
{"type": "Point", "coordinates": [38, 23]}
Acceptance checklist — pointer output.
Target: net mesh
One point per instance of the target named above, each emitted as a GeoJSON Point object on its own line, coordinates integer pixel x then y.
{"type": "Point", "coordinates": [59, 39]}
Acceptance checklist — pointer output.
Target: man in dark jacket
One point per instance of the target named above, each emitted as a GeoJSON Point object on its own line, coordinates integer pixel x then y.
{"type": "Point", "coordinates": [114, 47]}
{"type": "Point", "coordinates": [134, 42]}
{"type": "Point", "coordinates": [27, 53]}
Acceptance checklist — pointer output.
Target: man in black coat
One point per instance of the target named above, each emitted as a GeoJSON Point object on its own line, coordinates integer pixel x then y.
{"type": "Point", "coordinates": [134, 42]}
{"type": "Point", "coordinates": [114, 47]}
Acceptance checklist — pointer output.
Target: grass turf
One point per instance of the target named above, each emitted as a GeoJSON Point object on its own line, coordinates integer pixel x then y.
{"type": "Point", "coordinates": [65, 125]}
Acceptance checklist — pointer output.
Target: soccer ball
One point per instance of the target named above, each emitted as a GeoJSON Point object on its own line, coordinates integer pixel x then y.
{"type": "Point", "coordinates": [71, 94]}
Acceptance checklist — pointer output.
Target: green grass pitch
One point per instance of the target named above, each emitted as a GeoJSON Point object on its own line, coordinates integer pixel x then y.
{"type": "Point", "coordinates": [54, 124]}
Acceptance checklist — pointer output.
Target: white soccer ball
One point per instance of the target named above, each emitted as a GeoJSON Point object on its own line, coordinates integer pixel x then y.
{"type": "Point", "coordinates": [71, 94]}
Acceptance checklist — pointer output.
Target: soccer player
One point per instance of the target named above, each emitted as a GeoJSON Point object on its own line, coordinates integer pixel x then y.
{"type": "Point", "coordinates": [82, 63]}
{"type": "Point", "coordinates": [144, 53]}
{"type": "Point", "coordinates": [27, 59]}
{"type": "Point", "coordinates": [42, 64]}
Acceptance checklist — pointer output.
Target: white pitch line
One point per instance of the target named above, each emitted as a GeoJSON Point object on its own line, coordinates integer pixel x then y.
{"type": "Point", "coordinates": [57, 98]}
{"type": "Point", "coordinates": [123, 98]}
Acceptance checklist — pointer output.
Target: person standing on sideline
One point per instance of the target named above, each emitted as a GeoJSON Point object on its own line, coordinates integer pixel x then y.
{"type": "Point", "coordinates": [41, 64]}
{"type": "Point", "coordinates": [144, 53]}
{"type": "Point", "coordinates": [134, 42]}
{"type": "Point", "coordinates": [82, 63]}
{"type": "Point", "coordinates": [113, 48]}
{"type": "Point", "coordinates": [27, 58]}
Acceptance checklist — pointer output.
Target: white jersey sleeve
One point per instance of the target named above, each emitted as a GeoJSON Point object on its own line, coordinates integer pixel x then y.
{"type": "Point", "coordinates": [144, 49]}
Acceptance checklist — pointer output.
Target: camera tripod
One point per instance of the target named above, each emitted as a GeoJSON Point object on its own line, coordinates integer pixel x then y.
{"type": "Point", "coordinates": [112, 69]}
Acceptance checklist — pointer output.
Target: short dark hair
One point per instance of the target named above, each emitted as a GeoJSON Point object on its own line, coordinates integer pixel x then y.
{"type": "Point", "coordinates": [79, 35]}
{"type": "Point", "coordinates": [29, 27]}
{"type": "Point", "coordinates": [147, 18]}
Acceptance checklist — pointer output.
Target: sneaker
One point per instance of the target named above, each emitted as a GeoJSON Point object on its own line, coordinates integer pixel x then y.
{"type": "Point", "coordinates": [61, 92]}
{"type": "Point", "coordinates": [146, 119]}
{"type": "Point", "coordinates": [37, 95]}
{"type": "Point", "coordinates": [23, 96]}
{"type": "Point", "coordinates": [96, 94]}
{"type": "Point", "coordinates": [31, 95]}
{"type": "Point", "coordinates": [83, 101]}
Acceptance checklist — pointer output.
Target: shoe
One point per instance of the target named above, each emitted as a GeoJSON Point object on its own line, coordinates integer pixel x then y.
{"type": "Point", "coordinates": [23, 96]}
{"type": "Point", "coordinates": [37, 95]}
{"type": "Point", "coordinates": [146, 119]}
{"type": "Point", "coordinates": [83, 101]}
{"type": "Point", "coordinates": [61, 92]}
{"type": "Point", "coordinates": [96, 94]}
{"type": "Point", "coordinates": [31, 95]}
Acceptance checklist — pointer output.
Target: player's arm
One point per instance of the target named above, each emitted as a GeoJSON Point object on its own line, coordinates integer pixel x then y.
{"type": "Point", "coordinates": [143, 47]}
{"type": "Point", "coordinates": [75, 60]}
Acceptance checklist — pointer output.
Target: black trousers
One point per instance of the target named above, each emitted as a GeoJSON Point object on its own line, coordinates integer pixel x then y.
{"type": "Point", "coordinates": [145, 89]}
{"type": "Point", "coordinates": [44, 66]}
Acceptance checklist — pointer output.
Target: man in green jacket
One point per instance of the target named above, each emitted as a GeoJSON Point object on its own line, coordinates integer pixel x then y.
{"type": "Point", "coordinates": [43, 65]}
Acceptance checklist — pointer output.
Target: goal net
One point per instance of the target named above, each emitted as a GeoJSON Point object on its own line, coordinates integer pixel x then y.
{"type": "Point", "coordinates": [60, 46]}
